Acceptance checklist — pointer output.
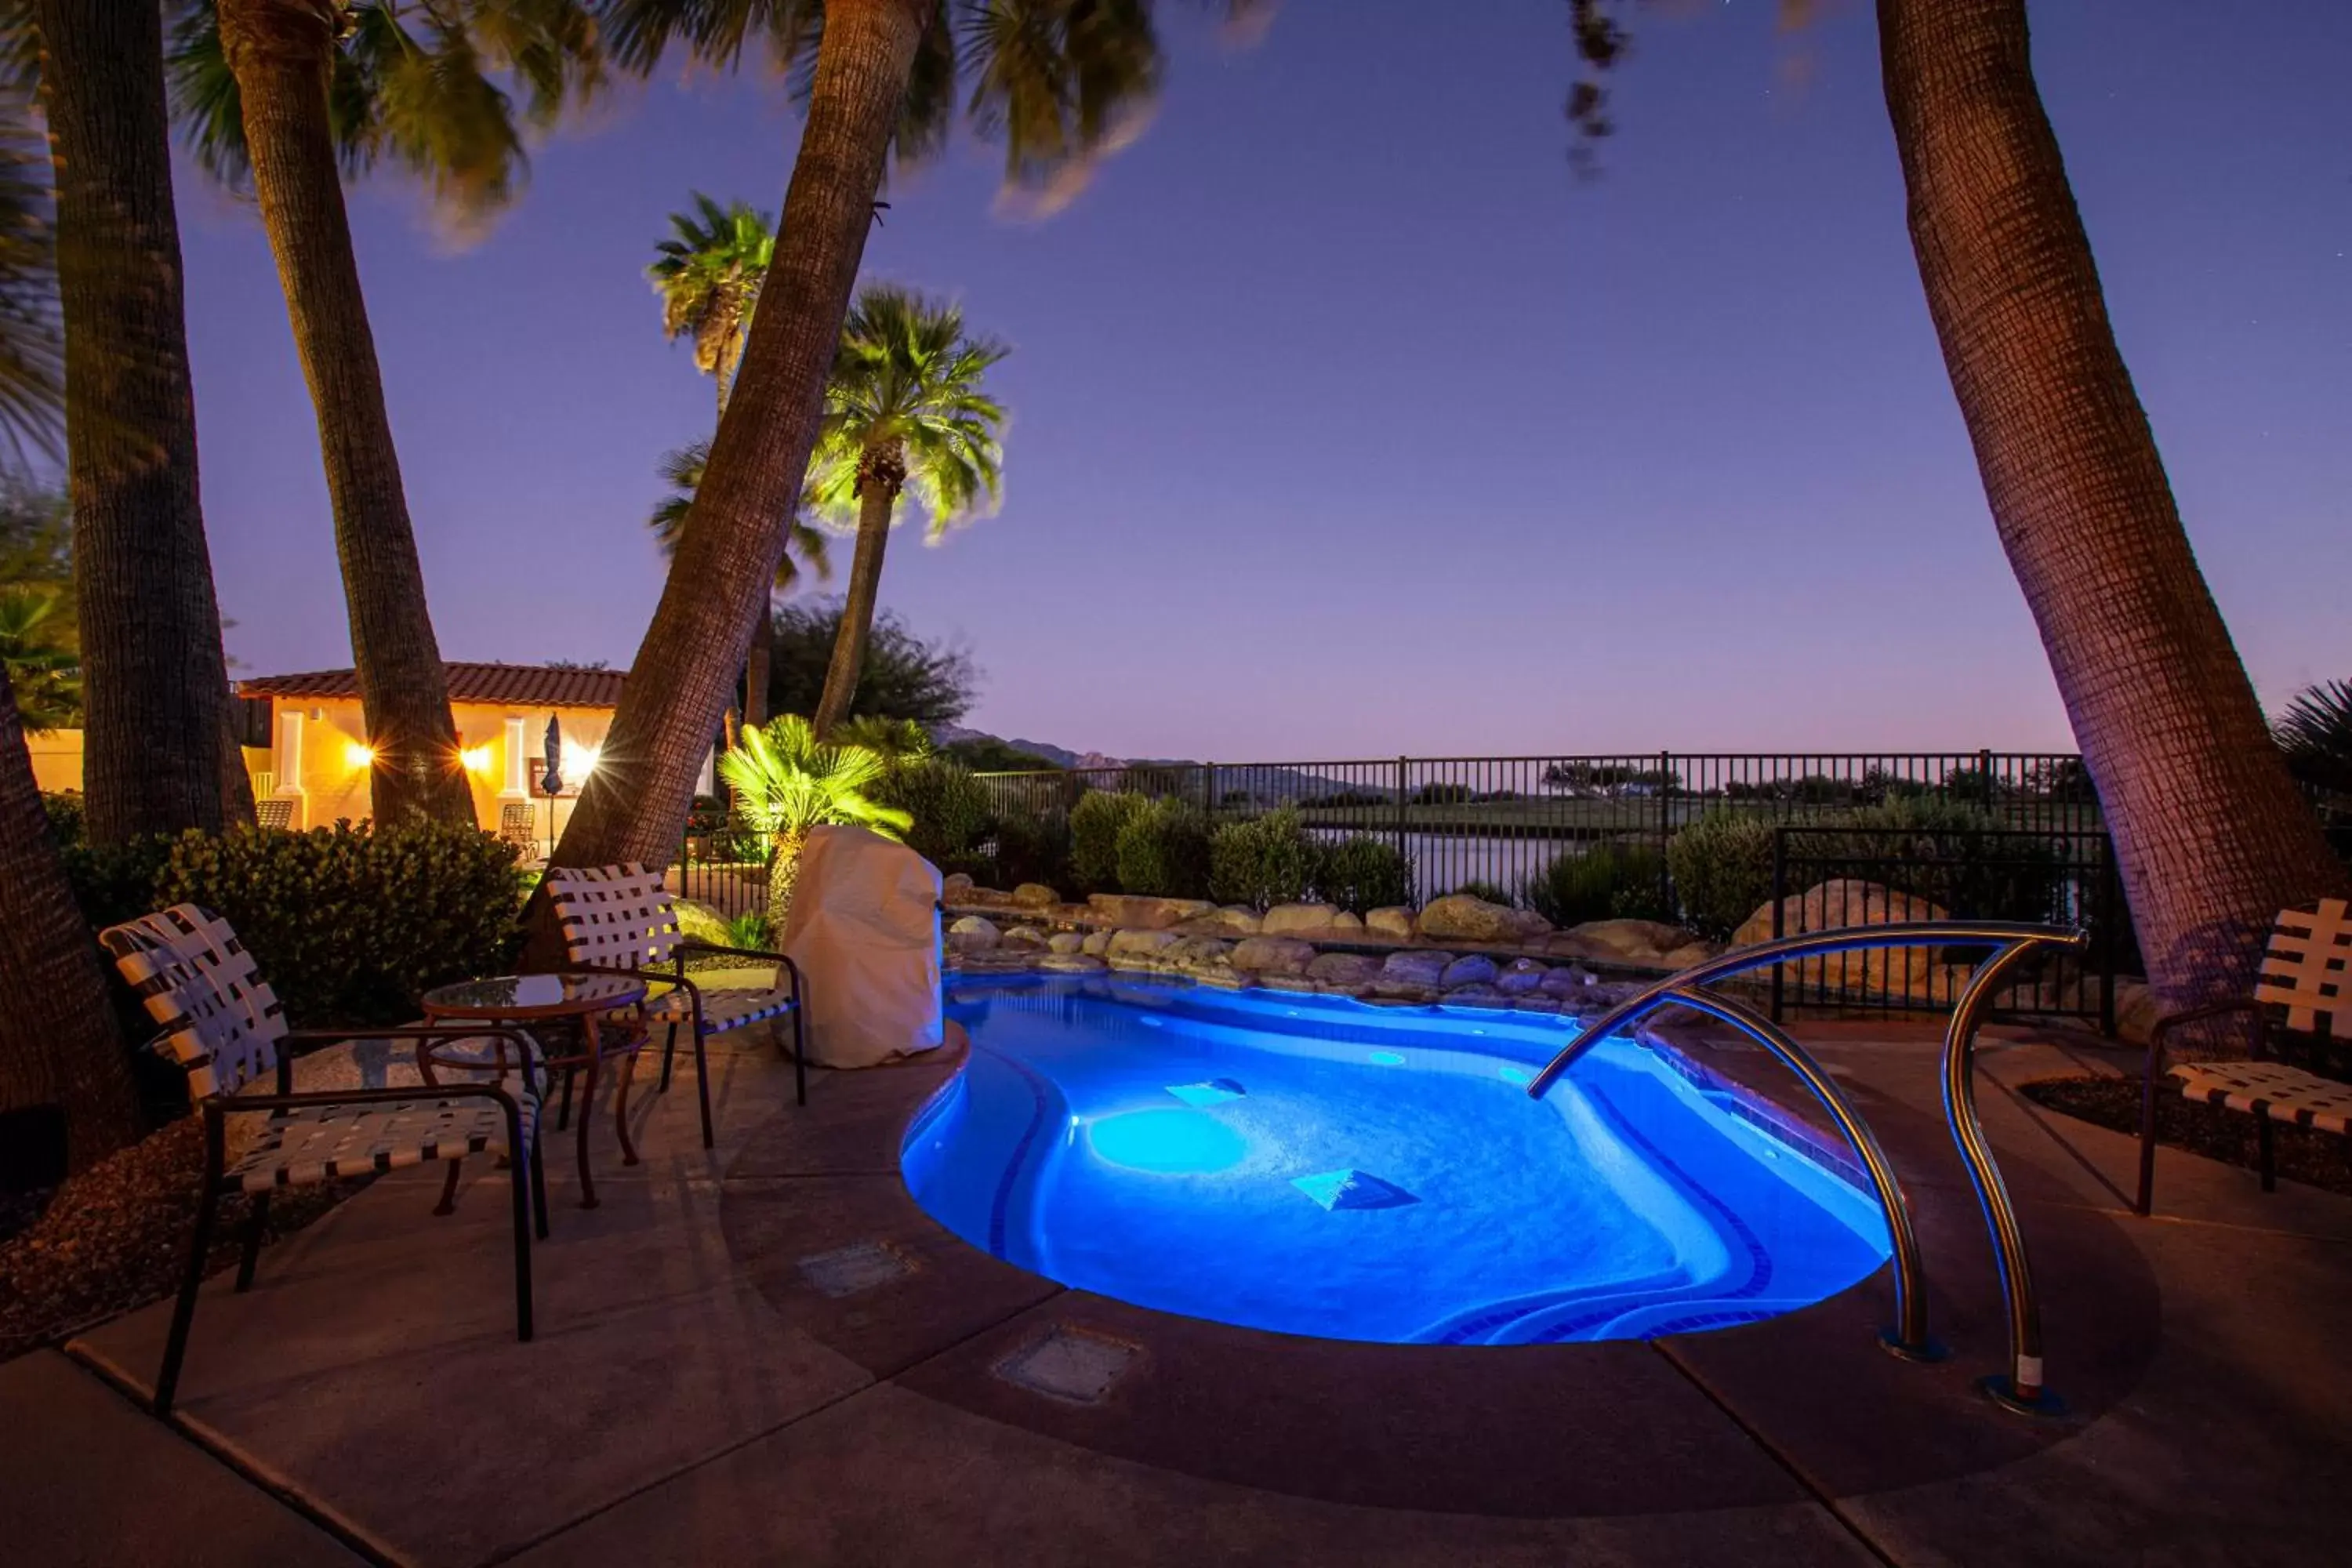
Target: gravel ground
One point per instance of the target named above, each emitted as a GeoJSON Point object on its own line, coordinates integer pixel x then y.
{"type": "Point", "coordinates": [116, 1237]}
{"type": "Point", "coordinates": [2316, 1159]}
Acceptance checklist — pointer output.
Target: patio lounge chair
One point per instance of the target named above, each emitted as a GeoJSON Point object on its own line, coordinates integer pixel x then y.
{"type": "Point", "coordinates": [2302, 1012]}
{"type": "Point", "coordinates": [621, 917]}
{"type": "Point", "coordinates": [221, 1021]}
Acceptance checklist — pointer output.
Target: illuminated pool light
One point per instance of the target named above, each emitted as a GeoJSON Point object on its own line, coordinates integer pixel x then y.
{"type": "Point", "coordinates": [1386, 1059]}
{"type": "Point", "coordinates": [1509, 1074]}
{"type": "Point", "coordinates": [1168, 1143]}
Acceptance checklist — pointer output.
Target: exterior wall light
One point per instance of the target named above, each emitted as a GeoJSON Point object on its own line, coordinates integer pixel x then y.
{"type": "Point", "coordinates": [476, 758]}
{"type": "Point", "coordinates": [356, 755]}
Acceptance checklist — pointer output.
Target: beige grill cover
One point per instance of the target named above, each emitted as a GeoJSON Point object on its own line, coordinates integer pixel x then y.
{"type": "Point", "coordinates": [864, 928]}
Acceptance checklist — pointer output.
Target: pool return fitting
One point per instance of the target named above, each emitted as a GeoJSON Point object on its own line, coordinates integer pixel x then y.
{"type": "Point", "coordinates": [2021, 1388]}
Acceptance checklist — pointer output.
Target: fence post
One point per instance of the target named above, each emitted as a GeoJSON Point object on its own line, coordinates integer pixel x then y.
{"type": "Point", "coordinates": [1400, 826]}
{"type": "Point", "coordinates": [1780, 890]}
{"type": "Point", "coordinates": [1209, 791]}
{"type": "Point", "coordinates": [1665, 829]}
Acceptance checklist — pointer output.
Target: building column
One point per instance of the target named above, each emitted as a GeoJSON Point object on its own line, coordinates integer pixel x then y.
{"type": "Point", "coordinates": [286, 762]}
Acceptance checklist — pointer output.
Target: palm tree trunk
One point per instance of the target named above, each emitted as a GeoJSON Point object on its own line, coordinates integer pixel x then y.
{"type": "Point", "coordinates": [2211, 836]}
{"type": "Point", "coordinates": [784, 875]}
{"type": "Point", "coordinates": [282, 52]}
{"type": "Point", "coordinates": [60, 1045]}
{"type": "Point", "coordinates": [856, 610]}
{"type": "Point", "coordinates": [755, 667]}
{"type": "Point", "coordinates": [152, 674]}
{"type": "Point", "coordinates": [634, 807]}
{"type": "Point", "coordinates": [237, 785]}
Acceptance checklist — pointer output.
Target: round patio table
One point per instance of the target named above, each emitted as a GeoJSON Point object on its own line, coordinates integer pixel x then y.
{"type": "Point", "coordinates": [576, 997]}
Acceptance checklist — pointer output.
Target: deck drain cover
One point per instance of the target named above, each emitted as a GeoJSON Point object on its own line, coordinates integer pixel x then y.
{"type": "Point", "coordinates": [1067, 1364]}
{"type": "Point", "coordinates": [849, 1269]}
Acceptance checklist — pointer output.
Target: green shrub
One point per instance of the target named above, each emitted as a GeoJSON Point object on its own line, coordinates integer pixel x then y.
{"type": "Point", "coordinates": [1493, 892]}
{"type": "Point", "coordinates": [1936, 848]}
{"type": "Point", "coordinates": [1608, 880]}
{"type": "Point", "coordinates": [67, 818]}
{"type": "Point", "coordinates": [1361, 872]}
{"type": "Point", "coordinates": [1722, 866]}
{"type": "Point", "coordinates": [351, 925]}
{"type": "Point", "coordinates": [951, 807]}
{"type": "Point", "coordinates": [116, 882]}
{"type": "Point", "coordinates": [1262, 862]}
{"type": "Point", "coordinates": [1096, 823]}
{"type": "Point", "coordinates": [1443, 794]}
{"type": "Point", "coordinates": [1025, 844]}
{"type": "Point", "coordinates": [1163, 849]}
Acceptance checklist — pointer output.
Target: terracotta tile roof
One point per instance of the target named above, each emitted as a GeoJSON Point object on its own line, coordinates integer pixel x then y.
{"type": "Point", "coordinates": [497, 685]}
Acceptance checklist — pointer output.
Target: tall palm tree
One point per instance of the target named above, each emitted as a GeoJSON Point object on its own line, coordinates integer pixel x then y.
{"type": "Point", "coordinates": [681, 470]}
{"type": "Point", "coordinates": [2211, 834]}
{"type": "Point", "coordinates": [156, 686]}
{"type": "Point", "coordinates": [290, 93]}
{"type": "Point", "coordinates": [708, 274]}
{"type": "Point", "coordinates": [875, 74]}
{"type": "Point", "coordinates": [786, 781]}
{"type": "Point", "coordinates": [904, 412]}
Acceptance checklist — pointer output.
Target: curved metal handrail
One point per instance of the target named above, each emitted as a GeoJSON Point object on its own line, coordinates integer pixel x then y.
{"type": "Point", "coordinates": [2011, 941]}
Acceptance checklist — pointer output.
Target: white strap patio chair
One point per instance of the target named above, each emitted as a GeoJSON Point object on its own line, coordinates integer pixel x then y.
{"type": "Point", "coordinates": [222, 1023]}
{"type": "Point", "coordinates": [623, 919]}
{"type": "Point", "coordinates": [2302, 1012]}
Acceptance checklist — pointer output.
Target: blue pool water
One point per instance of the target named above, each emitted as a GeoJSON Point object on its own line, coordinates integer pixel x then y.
{"type": "Point", "coordinates": [1325, 1167]}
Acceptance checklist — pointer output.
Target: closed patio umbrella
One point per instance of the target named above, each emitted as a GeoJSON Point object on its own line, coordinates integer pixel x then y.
{"type": "Point", "coordinates": [553, 782]}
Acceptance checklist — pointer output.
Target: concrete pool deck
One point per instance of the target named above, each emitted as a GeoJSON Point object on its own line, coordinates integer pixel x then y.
{"type": "Point", "coordinates": [765, 1353]}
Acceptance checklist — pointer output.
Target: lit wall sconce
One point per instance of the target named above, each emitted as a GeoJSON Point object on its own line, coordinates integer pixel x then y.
{"type": "Point", "coordinates": [579, 765]}
{"type": "Point", "coordinates": [476, 758]}
{"type": "Point", "coordinates": [356, 755]}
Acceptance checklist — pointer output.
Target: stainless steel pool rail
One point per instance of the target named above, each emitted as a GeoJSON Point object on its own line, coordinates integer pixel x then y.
{"type": "Point", "coordinates": [2022, 1387]}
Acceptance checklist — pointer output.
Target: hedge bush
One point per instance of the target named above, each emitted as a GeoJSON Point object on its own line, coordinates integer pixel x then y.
{"type": "Point", "coordinates": [1263, 861]}
{"type": "Point", "coordinates": [951, 807]}
{"type": "Point", "coordinates": [1722, 866]}
{"type": "Point", "coordinates": [1603, 881]}
{"type": "Point", "coordinates": [1027, 844]}
{"type": "Point", "coordinates": [1164, 849]}
{"type": "Point", "coordinates": [1361, 873]}
{"type": "Point", "coordinates": [350, 926]}
{"type": "Point", "coordinates": [1096, 823]}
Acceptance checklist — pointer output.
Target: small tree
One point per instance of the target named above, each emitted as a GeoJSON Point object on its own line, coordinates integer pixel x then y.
{"type": "Point", "coordinates": [786, 782]}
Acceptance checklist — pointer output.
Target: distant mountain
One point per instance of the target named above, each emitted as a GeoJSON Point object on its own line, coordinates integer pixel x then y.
{"type": "Point", "coordinates": [1057, 756]}
{"type": "Point", "coordinates": [1265, 785]}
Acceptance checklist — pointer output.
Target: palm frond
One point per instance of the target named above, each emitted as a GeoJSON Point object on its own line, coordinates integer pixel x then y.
{"type": "Point", "coordinates": [787, 781]}
{"type": "Point", "coordinates": [32, 340]}
{"type": "Point", "coordinates": [2316, 735]}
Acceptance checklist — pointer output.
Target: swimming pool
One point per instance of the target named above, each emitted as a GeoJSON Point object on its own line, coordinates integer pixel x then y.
{"type": "Point", "coordinates": [1319, 1166]}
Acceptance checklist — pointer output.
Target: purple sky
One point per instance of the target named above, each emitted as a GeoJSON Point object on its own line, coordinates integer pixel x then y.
{"type": "Point", "coordinates": [1347, 423]}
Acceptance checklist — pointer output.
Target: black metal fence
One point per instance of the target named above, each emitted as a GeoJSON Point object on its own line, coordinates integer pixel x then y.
{"type": "Point", "coordinates": [1824, 878]}
{"type": "Point", "coordinates": [1495, 824]}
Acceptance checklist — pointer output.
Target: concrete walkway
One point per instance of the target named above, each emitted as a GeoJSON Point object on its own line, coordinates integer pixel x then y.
{"type": "Point", "coordinates": [765, 1353]}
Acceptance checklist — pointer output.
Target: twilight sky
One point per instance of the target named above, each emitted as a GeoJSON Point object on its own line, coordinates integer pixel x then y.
{"type": "Point", "coordinates": [1346, 422]}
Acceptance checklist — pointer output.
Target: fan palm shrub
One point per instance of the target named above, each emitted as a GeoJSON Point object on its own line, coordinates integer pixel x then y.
{"type": "Point", "coordinates": [2314, 734]}
{"type": "Point", "coordinates": [786, 781]}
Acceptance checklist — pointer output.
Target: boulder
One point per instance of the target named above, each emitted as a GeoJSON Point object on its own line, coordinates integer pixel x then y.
{"type": "Point", "coordinates": [1284, 920]}
{"type": "Point", "coordinates": [1461, 917]}
{"type": "Point", "coordinates": [1097, 942]}
{"type": "Point", "coordinates": [1522, 977]}
{"type": "Point", "coordinates": [1029, 937]}
{"type": "Point", "coordinates": [1471, 969]}
{"type": "Point", "coordinates": [1347, 926]}
{"type": "Point", "coordinates": [1394, 922]}
{"type": "Point", "coordinates": [1479, 995]}
{"type": "Point", "coordinates": [973, 934]}
{"type": "Point", "coordinates": [1642, 943]}
{"type": "Point", "coordinates": [1071, 964]}
{"type": "Point", "coordinates": [955, 886]}
{"type": "Point", "coordinates": [1344, 971]}
{"type": "Point", "coordinates": [1536, 1002]}
{"type": "Point", "coordinates": [1134, 911]}
{"type": "Point", "coordinates": [1231, 921]}
{"type": "Point", "coordinates": [1065, 942]}
{"type": "Point", "coordinates": [1274, 956]}
{"type": "Point", "coordinates": [1691, 953]}
{"type": "Point", "coordinates": [1412, 972]}
{"type": "Point", "coordinates": [1567, 983]}
{"type": "Point", "coordinates": [1140, 948]}
{"type": "Point", "coordinates": [1035, 896]}
{"type": "Point", "coordinates": [1913, 974]}
{"type": "Point", "coordinates": [1199, 952]}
